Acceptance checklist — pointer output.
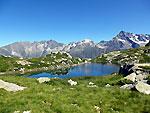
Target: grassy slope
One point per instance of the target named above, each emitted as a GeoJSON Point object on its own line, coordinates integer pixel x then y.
{"type": "Point", "coordinates": [41, 98]}
{"type": "Point", "coordinates": [137, 54]}
{"type": "Point", "coordinates": [8, 64]}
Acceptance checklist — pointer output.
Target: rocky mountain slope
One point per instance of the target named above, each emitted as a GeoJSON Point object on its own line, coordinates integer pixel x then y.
{"type": "Point", "coordinates": [131, 56]}
{"type": "Point", "coordinates": [27, 49]}
{"type": "Point", "coordinates": [125, 40]}
{"type": "Point", "coordinates": [83, 49]}
{"type": "Point", "coordinates": [134, 55]}
{"type": "Point", "coordinates": [51, 61]}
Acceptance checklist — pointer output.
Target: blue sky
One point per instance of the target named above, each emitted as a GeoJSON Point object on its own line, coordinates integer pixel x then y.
{"type": "Point", "coordinates": [71, 20]}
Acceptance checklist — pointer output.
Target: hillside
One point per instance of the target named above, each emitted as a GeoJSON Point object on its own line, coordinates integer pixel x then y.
{"type": "Point", "coordinates": [136, 55]}
{"type": "Point", "coordinates": [51, 61]}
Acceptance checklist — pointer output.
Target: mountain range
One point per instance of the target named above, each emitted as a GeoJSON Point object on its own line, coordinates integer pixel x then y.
{"type": "Point", "coordinates": [83, 49]}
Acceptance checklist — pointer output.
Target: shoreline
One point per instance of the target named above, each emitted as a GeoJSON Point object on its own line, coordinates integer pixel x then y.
{"type": "Point", "coordinates": [41, 69]}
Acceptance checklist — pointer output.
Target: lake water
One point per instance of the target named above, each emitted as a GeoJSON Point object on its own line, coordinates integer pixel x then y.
{"type": "Point", "coordinates": [92, 69]}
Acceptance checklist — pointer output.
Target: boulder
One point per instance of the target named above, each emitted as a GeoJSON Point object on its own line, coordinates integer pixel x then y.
{"type": "Point", "coordinates": [73, 83]}
{"type": "Point", "coordinates": [127, 86]}
{"type": "Point", "coordinates": [131, 77]}
{"type": "Point", "coordinates": [140, 77]}
{"type": "Point", "coordinates": [91, 83]}
{"type": "Point", "coordinates": [143, 87]}
{"type": "Point", "coordinates": [11, 87]}
{"type": "Point", "coordinates": [107, 85]}
{"type": "Point", "coordinates": [43, 79]}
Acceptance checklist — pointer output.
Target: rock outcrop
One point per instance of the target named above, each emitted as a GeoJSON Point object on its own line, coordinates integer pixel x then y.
{"type": "Point", "coordinates": [138, 75]}
{"type": "Point", "coordinates": [127, 86]}
{"type": "Point", "coordinates": [11, 87]}
{"type": "Point", "coordinates": [143, 87]}
{"type": "Point", "coordinates": [126, 69]}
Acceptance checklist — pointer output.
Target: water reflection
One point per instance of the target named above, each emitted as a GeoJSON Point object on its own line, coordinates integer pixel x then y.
{"type": "Point", "coordinates": [92, 69]}
{"type": "Point", "coordinates": [61, 72]}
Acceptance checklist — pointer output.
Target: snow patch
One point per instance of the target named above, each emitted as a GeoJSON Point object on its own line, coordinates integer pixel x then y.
{"type": "Point", "coordinates": [121, 40]}
{"type": "Point", "coordinates": [141, 43]}
{"type": "Point", "coordinates": [86, 41]}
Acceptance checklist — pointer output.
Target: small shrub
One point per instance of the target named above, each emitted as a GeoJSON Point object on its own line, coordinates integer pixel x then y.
{"type": "Point", "coordinates": [124, 81]}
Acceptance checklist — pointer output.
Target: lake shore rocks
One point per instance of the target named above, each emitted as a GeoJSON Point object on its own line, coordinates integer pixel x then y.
{"type": "Point", "coordinates": [138, 75]}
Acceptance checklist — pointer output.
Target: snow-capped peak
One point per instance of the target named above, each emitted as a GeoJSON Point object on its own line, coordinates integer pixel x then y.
{"type": "Point", "coordinates": [86, 41]}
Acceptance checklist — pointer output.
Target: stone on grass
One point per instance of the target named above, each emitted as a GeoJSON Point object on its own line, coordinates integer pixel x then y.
{"type": "Point", "coordinates": [91, 83]}
{"type": "Point", "coordinates": [10, 86]}
{"type": "Point", "coordinates": [131, 77]}
{"type": "Point", "coordinates": [143, 87]}
{"type": "Point", "coordinates": [27, 112]}
{"type": "Point", "coordinates": [43, 79]}
{"type": "Point", "coordinates": [107, 85]}
{"type": "Point", "coordinates": [127, 86]}
{"type": "Point", "coordinates": [73, 83]}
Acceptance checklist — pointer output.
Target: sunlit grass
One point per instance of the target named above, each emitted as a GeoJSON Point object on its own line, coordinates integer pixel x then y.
{"type": "Point", "coordinates": [58, 96]}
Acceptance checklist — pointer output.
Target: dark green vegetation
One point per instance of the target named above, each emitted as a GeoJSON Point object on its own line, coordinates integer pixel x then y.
{"type": "Point", "coordinates": [138, 55]}
{"type": "Point", "coordinates": [56, 60]}
{"type": "Point", "coordinates": [124, 81]}
{"type": "Point", "coordinates": [58, 96]}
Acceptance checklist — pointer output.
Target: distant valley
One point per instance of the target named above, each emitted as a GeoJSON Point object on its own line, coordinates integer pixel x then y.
{"type": "Point", "coordinates": [83, 49]}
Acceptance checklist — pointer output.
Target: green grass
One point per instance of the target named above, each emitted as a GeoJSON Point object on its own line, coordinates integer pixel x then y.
{"type": "Point", "coordinates": [42, 98]}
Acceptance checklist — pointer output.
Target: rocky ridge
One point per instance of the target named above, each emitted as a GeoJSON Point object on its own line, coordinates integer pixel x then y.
{"type": "Point", "coordinates": [83, 49]}
{"type": "Point", "coordinates": [136, 55]}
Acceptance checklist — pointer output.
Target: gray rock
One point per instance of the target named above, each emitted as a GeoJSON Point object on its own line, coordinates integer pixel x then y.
{"type": "Point", "coordinates": [140, 77]}
{"type": "Point", "coordinates": [131, 77]}
{"type": "Point", "coordinates": [143, 87]}
{"type": "Point", "coordinates": [107, 85]}
{"type": "Point", "coordinates": [10, 86]}
{"type": "Point", "coordinates": [43, 79]}
{"type": "Point", "coordinates": [127, 86]}
{"type": "Point", "coordinates": [139, 72]}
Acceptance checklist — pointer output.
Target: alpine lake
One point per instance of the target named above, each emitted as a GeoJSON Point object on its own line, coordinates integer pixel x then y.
{"type": "Point", "coordinates": [90, 69]}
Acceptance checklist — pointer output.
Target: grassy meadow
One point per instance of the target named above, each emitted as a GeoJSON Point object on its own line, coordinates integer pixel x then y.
{"type": "Point", "coordinates": [58, 96]}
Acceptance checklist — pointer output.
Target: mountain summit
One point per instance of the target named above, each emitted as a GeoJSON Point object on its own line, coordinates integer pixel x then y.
{"type": "Point", "coordinates": [125, 40]}
{"type": "Point", "coordinates": [84, 49]}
